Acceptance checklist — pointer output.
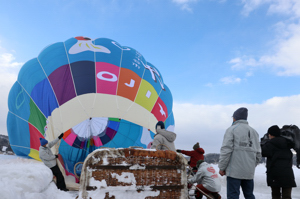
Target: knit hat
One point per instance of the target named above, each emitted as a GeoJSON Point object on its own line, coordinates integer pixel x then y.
{"type": "Point", "coordinates": [199, 162]}
{"type": "Point", "coordinates": [196, 146]}
{"type": "Point", "coordinates": [240, 114]}
{"type": "Point", "coordinates": [161, 124]}
{"type": "Point", "coordinates": [274, 130]}
{"type": "Point", "coordinates": [43, 141]}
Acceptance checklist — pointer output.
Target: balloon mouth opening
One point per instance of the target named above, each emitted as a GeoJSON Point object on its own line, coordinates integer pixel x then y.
{"type": "Point", "coordinates": [96, 131]}
{"type": "Point", "coordinates": [91, 127]}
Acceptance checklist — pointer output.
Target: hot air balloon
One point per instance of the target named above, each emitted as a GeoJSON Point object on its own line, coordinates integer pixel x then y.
{"type": "Point", "coordinates": [99, 93]}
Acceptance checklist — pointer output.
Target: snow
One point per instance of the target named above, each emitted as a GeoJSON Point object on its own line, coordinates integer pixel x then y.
{"type": "Point", "coordinates": [261, 190]}
{"type": "Point", "coordinates": [26, 179]}
{"type": "Point", "coordinates": [4, 148]}
{"type": "Point", "coordinates": [123, 192]}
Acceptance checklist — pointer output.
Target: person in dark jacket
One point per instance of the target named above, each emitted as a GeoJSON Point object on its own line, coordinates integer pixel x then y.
{"type": "Point", "coordinates": [280, 175]}
{"type": "Point", "coordinates": [49, 159]}
{"type": "Point", "coordinates": [196, 154]}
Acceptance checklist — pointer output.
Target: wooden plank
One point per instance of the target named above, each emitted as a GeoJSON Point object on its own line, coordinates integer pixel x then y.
{"type": "Point", "coordinates": [167, 187]}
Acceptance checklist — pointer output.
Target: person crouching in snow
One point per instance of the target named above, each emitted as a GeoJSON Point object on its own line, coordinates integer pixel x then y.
{"type": "Point", "coordinates": [49, 160]}
{"type": "Point", "coordinates": [207, 180]}
{"type": "Point", "coordinates": [196, 154]}
{"type": "Point", "coordinates": [163, 140]}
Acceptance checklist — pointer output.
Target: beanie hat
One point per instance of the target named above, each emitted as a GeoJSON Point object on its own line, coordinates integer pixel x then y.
{"type": "Point", "coordinates": [196, 146]}
{"type": "Point", "coordinates": [240, 114]}
{"type": "Point", "coordinates": [161, 124]}
{"type": "Point", "coordinates": [43, 141]}
{"type": "Point", "coordinates": [199, 162]}
{"type": "Point", "coordinates": [274, 130]}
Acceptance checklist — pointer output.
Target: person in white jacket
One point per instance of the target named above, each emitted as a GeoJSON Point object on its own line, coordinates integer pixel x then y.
{"type": "Point", "coordinates": [163, 140]}
{"type": "Point", "coordinates": [49, 159]}
{"type": "Point", "coordinates": [239, 155]}
{"type": "Point", "coordinates": [207, 180]}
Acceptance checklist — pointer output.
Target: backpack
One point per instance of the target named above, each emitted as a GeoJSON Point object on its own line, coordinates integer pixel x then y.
{"type": "Point", "coordinates": [292, 134]}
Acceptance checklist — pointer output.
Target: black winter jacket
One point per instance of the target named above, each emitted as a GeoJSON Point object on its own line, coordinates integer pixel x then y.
{"type": "Point", "coordinates": [279, 163]}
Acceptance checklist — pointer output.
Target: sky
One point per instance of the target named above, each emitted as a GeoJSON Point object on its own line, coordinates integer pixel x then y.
{"type": "Point", "coordinates": [27, 178]}
{"type": "Point", "coordinates": [214, 55]}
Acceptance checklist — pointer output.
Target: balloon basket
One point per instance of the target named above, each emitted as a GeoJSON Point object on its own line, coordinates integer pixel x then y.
{"type": "Point", "coordinates": [139, 173]}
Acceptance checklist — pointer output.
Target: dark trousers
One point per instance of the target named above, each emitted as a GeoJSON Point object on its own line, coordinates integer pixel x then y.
{"type": "Point", "coordinates": [60, 181]}
{"type": "Point", "coordinates": [281, 192]}
{"type": "Point", "coordinates": [233, 188]}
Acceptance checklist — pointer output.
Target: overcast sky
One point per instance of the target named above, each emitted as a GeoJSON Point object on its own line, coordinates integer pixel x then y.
{"type": "Point", "coordinates": [214, 55]}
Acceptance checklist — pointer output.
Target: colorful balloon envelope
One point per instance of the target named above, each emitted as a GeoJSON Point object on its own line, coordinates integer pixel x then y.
{"type": "Point", "coordinates": [97, 92]}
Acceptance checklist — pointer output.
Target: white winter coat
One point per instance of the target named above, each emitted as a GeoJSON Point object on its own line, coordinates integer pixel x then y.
{"type": "Point", "coordinates": [208, 177]}
{"type": "Point", "coordinates": [164, 140]}
{"type": "Point", "coordinates": [240, 151]}
{"type": "Point", "coordinates": [46, 154]}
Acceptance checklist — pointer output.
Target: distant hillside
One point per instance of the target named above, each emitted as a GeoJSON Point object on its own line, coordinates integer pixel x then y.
{"type": "Point", "coordinates": [213, 158]}
{"type": "Point", "coordinates": [4, 145]}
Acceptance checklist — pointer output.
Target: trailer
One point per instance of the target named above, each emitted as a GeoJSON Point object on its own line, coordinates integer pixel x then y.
{"type": "Point", "coordinates": [133, 173]}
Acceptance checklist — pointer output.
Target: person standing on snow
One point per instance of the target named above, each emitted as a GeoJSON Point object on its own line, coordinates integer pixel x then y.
{"type": "Point", "coordinates": [163, 140]}
{"type": "Point", "coordinates": [196, 154]}
{"type": "Point", "coordinates": [280, 175]}
{"type": "Point", "coordinates": [207, 180]}
{"type": "Point", "coordinates": [49, 160]}
{"type": "Point", "coordinates": [239, 155]}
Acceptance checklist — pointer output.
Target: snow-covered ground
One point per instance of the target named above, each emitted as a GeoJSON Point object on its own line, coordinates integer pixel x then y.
{"type": "Point", "coordinates": [26, 179]}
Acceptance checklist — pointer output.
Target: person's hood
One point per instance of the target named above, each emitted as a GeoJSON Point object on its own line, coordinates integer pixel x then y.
{"type": "Point", "coordinates": [42, 146]}
{"type": "Point", "coordinates": [203, 164]}
{"type": "Point", "coordinates": [240, 122]}
{"type": "Point", "coordinates": [279, 142]}
{"type": "Point", "coordinates": [199, 150]}
{"type": "Point", "coordinates": [170, 136]}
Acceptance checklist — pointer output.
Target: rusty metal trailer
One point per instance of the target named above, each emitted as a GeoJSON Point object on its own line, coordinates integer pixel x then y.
{"type": "Point", "coordinates": [133, 173]}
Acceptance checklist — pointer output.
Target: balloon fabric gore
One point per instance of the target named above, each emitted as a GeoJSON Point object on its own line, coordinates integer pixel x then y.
{"type": "Point", "coordinates": [99, 93]}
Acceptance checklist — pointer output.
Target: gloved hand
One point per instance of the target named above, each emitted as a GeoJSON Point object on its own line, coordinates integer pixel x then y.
{"type": "Point", "coordinates": [56, 156]}
{"type": "Point", "coordinates": [178, 150]}
{"type": "Point", "coordinates": [189, 186]}
{"type": "Point", "coordinates": [60, 136]}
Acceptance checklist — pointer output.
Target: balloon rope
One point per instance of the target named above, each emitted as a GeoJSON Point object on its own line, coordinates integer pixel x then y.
{"type": "Point", "coordinates": [58, 144]}
{"type": "Point", "coordinates": [24, 120]}
{"type": "Point", "coordinates": [118, 109]}
{"type": "Point", "coordinates": [114, 134]}
{"type": "Point", "coordinates": [70, 67]}
{"type": "Point", "coordinates": [31, 98]}
{"type": "Point", "coordinates": [95, 61]}
{"type": "Point", "coordinates": [83, 107]}
{"type": "Point", "coordinates": [20, 146]}
{"type": "Point", "coordinates": [93, 104]}
{"type": "Point", "coordinates": [47, 79]}
{"type": "Point", "coordinates": [122, 116]}
{"type": "Point", "coordinates": [79, 147]}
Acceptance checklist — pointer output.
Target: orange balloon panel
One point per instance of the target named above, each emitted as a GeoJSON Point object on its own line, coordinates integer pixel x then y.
{"type": "Point", "coordinates": [129, 83]}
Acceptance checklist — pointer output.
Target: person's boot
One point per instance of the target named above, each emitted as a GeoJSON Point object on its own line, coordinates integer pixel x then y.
{"type": "Point", "coordinates": [216, 195]}
{"type": "Point", "coordinates": [198, 195]}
